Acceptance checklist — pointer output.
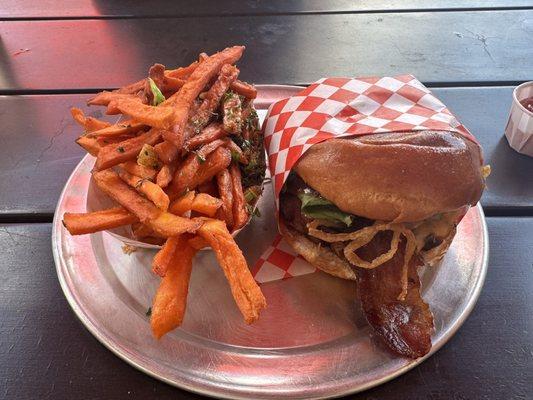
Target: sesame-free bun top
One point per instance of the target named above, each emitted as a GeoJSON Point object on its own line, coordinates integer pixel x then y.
{"type": "Point", "coordinates": [400, 177]}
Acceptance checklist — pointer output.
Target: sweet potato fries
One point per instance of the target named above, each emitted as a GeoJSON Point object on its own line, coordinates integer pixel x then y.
{"type": "Point", "coordinates": [178, 164]}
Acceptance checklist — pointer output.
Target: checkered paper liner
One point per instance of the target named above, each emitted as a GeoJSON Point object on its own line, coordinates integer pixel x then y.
{"type": "Point", "coordinates": [280, 261]}
{"type": "Point", "coordinates": [340, 107]}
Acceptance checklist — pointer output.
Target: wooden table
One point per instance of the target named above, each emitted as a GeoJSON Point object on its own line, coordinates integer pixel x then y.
{"type": "Point", "coordinates": [472, 53]}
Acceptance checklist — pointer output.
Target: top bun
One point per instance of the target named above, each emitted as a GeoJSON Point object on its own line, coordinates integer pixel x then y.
{"type": "Point", "coordinates": [400, 177]}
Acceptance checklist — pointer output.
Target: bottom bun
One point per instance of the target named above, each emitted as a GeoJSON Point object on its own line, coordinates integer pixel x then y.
{"type": "Point", "coordinates": [318, 256]}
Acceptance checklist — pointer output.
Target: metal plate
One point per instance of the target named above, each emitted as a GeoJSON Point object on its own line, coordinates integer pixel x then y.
{"type": "Point", "coordinates": [311, 342]}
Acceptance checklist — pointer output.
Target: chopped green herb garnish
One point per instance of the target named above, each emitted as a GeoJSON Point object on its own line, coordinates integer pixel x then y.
{"type": "Point", "coordinates": [200, 157]}
{"type": "Point", "coordinates": [250, 195]}
{"type": "Point", "coordinates": [158, 97]}
{"type": "Point", "coordinates": [198, 123]}
{"type": "Point", "coordinates": [235, 157]}
{"type": "Point", "coordinates": [253, 211]}
{"type": "Point", "coordinates": [120, 149]}
{"type": "Point", "coordinates": [149, 312]}
{"type": "Point", "coordinates": [251, 121]}
{"type": "Point", "coordinates": [232, 112]}
{"type": "Point", "coordinates": [228, 95]}
{"type": "Point", "coordinates": [140, 183]}
{"type": "Point", "coordinates": [242, 143]}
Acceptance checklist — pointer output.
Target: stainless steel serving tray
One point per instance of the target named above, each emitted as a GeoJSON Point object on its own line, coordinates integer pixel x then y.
{"type": "Point", "coordinates": [311, 342]}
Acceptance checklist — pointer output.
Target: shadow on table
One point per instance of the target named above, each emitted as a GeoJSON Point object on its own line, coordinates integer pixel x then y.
{"type": "Point", "coordinates": [8, 77]}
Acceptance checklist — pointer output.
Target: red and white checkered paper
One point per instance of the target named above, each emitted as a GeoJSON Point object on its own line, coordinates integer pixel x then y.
{"type": "Point", "coordinates": [340, 107]}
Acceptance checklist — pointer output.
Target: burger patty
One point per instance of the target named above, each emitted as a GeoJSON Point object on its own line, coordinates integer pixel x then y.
{"type": "Point", "coordinates": [290, 206]}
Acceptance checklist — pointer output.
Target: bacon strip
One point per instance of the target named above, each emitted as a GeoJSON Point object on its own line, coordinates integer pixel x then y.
{"type": "Point", "coordinates": [405, 325]}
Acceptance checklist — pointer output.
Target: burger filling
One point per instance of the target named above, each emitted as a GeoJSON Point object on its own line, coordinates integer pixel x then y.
{"type": "Point", "coordinates": [306, 211]}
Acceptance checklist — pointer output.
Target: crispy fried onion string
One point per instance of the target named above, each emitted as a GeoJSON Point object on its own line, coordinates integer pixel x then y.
{"type": "Point", "coordinates": [364, 236]}
{"type": "Point", "coordinates": [349, 250]}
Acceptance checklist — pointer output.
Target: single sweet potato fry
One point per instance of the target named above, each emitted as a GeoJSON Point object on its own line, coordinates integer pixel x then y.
{"type": "Point", "coordinates": [182, 72]}
{"type": "Point", "coordinates": [152, 191]}
{"type": "Point", "coordinates": [103, 141]}
{"type": "Point", "coordinates": [90, 145]}
{"type": "Point", "coordinates": [171, 85]}
{"type": "Point", "coordinates": [163, 257]}
{"type": "Point", "coordinates": [210, 133]}
{"type": "Point", "coordinates": [244, 89]}
{"type": "Point", "coordinates": [168, 308]}
{"type": "Point", "coordinates": [157, 117]}
{"type": "Point", "coordinates": [244, 289]}
{"type": "Point", "coordinates": [240, 215]}
{"type": "Point", "coordinates": [82, 223]}
{"type": "Point", "coordinates": [182, 204]}
{"type": "Point", "coordinates": [126, 128]}
{"type": "Point", "coordinates": [105, 97]}
{"type": "Point", "coordinates": [206, 204]}
{"type": "Point", "coordinates": [78, 116]}
{"type": "Point", "coordinates": [139, 170]}
{"type": "Point", "coordinates": [89, 124]}
{"type": "Point", "coordinates": [115, 154]}
{"type": "Point", "coordinates": [225, 191]}
{"type": "Point", "coordinates": [165, 175]}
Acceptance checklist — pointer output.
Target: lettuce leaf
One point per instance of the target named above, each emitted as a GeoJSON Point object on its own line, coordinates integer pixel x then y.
{"type": "Point", "coordinates": [158, 96]}
{"type": "Point", "coordinates": [317, 207]}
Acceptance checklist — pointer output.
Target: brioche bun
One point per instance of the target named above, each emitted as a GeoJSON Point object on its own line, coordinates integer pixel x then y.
{"type": "Point", "coordinates": [399, 177]}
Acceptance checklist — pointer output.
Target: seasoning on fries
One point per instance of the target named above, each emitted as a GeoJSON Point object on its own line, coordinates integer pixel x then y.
{"type": "Point", "coordinates": [180, 163]}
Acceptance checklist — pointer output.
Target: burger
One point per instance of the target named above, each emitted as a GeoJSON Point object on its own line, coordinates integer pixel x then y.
{"type": "Point", "coordinates": [374, 209]}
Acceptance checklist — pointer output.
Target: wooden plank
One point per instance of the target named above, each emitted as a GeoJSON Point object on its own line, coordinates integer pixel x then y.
{"type": "Point", "coordinates": [485, 112]}
{"type": "Point", "coordinates": [38, 153]}
{"type": "Point", "coordinates": [164, 8]}
{"type": "Point", "coordinates": [446, 47]}
{"type": "Point", "coordinates": [44, 344]}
